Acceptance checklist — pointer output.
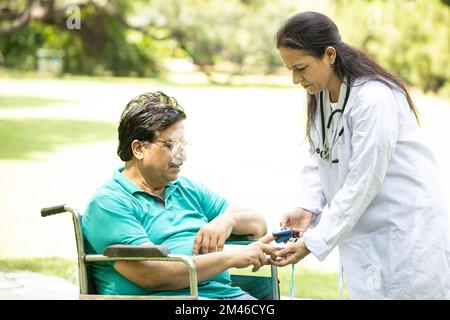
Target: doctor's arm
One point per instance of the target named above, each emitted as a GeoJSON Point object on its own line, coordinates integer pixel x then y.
{"type": "Point", "coordinates": [374, 126]}
{"type": "Point", "coordinates": [311, 200]}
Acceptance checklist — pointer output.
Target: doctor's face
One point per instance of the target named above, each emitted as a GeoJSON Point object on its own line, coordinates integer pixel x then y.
{"type": "Point", "coordinates": [313, 74]}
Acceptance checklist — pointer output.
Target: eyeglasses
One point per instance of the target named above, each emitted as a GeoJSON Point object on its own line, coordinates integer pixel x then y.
{"type": "Point", "coordinates": [173, 145]}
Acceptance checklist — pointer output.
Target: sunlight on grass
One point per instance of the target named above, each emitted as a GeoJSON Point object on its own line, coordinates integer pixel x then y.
{"type": "Point", "coordinates": [21, 139]}
{"type": "Point", "coordinates": [8, 101]}
{"type": "Point", "coordinates": [308, 284]}
{"type": "Point", "coordinates": [64, 268]}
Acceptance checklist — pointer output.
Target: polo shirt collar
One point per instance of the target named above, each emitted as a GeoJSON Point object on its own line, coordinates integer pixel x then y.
{"type": "Point", "coordinates": [170, 188]}
{"type": "Point", "coordinates": [132, 189]}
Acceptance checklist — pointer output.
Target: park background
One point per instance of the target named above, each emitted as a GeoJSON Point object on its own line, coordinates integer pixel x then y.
{"type": "Point", "coordinates": [68, 68]}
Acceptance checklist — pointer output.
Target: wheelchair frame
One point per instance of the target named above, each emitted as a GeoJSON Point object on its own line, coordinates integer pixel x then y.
{"type": "Point", "coordinates": [135, 253]}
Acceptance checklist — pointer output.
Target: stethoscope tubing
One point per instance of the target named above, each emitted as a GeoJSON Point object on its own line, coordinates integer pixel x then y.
{"type": "Point", "coordinates": [330, 119]}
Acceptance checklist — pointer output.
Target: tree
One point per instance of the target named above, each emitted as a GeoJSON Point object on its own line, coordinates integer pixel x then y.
{"type": "Point", "coordinates": [105, 42]}
{"type": "Point", "coordinates": [213, 33]}
{"type": "Point", "coordinates": [410, 38]}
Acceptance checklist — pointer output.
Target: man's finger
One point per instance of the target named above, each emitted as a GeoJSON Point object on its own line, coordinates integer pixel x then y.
{"type": "Point", "coordinates": [197, 243]}
{"type": "Point", "coordinates": [268, 249]}
{"type": "Point", "coordinates": [205, 244]}
{"type": "Point", "coordinates": [268, 238]}
{"type": "Point", "coordinates": [264, 260]}
{"type": "Point", "coordinates": [220, 243]}
{"type": "Point", "coordinates": [256, 266]}
{"type": "Point", "coordinates": [212, 244]}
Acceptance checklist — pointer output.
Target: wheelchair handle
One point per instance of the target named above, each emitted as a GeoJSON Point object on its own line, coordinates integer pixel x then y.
{"type": "Point", "coordinates": [45, 212]}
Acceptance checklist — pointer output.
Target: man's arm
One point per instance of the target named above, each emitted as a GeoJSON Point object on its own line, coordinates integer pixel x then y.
{"type": "Point", "coordinates": [170, 276]}
{"type": "Point", "coordinates": [245, 221]}
{"type": "Point", "coordinates": [234, 219]}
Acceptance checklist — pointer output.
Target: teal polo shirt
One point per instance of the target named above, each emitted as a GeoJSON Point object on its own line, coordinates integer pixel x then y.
{"type": "Point", "coordinates": [121, 213]}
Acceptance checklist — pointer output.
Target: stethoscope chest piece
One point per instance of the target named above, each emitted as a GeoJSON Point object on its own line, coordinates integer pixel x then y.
{"type": "Point", "coordinates": [324, 153]}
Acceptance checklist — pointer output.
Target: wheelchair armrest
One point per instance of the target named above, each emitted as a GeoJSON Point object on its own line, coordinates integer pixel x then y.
{"type": "Point", "coordinates": [240, 239]}
{"type": "Point", "coordinates": [125, 250]}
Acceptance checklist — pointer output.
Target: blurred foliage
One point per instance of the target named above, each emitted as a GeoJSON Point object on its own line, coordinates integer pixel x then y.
{"type": "Point", "coordinates": [409, 38]}
{"type": "Point", "coordinates": [102, 46]}
{"type": "Point", "coordinates": [133, 38]}
{"type": "Point", "coordinates": [236, 36]}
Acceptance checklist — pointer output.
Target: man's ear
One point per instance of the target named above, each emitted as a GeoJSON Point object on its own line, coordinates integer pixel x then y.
{"type": "Point", "coordinates": [331, 54]}
{"type": "Point", "coordinates": [137, 147]}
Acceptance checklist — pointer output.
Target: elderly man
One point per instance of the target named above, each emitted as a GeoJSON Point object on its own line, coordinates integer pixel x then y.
{"type": "Point", "coordinates": [147, 203]}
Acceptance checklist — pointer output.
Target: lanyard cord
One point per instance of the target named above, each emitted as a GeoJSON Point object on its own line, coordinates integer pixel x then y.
{"type": "Point", "coordinates": [292, 281]}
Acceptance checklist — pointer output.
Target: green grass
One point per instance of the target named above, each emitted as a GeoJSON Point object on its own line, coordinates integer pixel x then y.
{"type": "Point", "coordinates": [22, 139]}
{"type": "Point", "coordinates": [8, 101]}
{"type": "Point", "coordinates": [56, 266]}
{"type": "Point", "coordinates": [308, 283]}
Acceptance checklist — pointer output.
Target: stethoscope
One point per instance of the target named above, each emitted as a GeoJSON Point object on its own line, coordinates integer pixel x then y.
{"type": "Point", "coordinates": [324, 153]}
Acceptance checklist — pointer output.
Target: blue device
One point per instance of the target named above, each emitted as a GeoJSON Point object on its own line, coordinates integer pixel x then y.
{"type": "Point", "coordinates": [283, 235]}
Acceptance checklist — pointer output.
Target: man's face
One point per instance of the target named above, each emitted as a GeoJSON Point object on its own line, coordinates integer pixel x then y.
{"type": "Point", "coordinates": [162, 159]}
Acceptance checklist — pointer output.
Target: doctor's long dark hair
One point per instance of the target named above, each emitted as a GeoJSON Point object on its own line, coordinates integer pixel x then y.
{"type": "Point", "coordinates": [313, 32]}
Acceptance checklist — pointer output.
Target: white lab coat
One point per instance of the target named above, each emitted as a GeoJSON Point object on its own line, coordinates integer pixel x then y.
{"type": "Point", "coordinates": [382, 204]}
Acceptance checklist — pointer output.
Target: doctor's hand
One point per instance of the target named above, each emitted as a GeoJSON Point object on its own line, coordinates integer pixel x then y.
{"type": "Point", "coordinates": [298, 219]}
{"type": "Point", "coordinates": [211, 237]}
{"type": "Point", "coordinates": [291, 254]}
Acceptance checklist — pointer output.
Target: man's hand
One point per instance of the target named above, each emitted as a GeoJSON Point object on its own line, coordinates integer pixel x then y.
{"type": "Point", "coordinates": [252, 254]}
{"type": "Point", "coordinates": [211, 237]}
{"type": "Point", "coordinates": [298, 219]}
{"type": "Point", "coordinates": [292, 254]}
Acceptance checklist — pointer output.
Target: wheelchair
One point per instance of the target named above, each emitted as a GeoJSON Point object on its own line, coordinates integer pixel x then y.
{"type": "Point", "coordinates": [261, 285]}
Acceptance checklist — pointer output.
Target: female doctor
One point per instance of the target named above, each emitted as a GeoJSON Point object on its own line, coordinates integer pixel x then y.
{"type": "Point", "coordinates": [372, 185]}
